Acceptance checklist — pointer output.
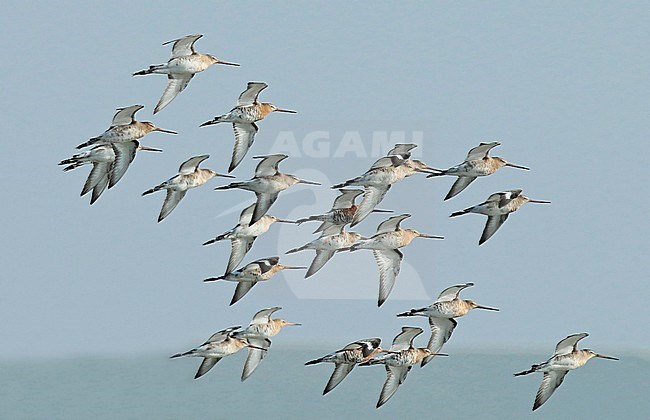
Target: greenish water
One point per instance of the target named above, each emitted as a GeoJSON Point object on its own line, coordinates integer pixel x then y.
{"type": "Point", "coordinates": [479, 386]}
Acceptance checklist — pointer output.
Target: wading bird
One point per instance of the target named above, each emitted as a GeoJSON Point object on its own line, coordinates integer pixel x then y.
{"type": "Point", "coordinates": [258, 333]}
{"type": "Point", "coordinates": [267, 183]}
{"type": "Point", "coordinates": [326, 246]}
{"type": "Point", "coordinates": [477, 163]}
{"type": "Point", "coordinates": [497, 207]}
{"type": "Point", "coordinates": [183, 64]}
{"type": "Point", "coordinates": [347, 358]}
{"type": "Point", "coordinates": [244, 234]}
{"type": "Point", "coordinates": [110, 162]}
{"type": "Point", "coordinates": [441, 314]}
{"type": "Point", "coordinates": [252, 273]}
{"type": "Point", "coordinates": [243, 118]}
{"type": "Point", "coordinates": [566, 357]}
{"type": "Point", "coordinates": [222, 343]}
{"type": "Point", "coordinates": [189, 176]}
{"type": "Point", "coordinates": [385, 246]}
{"type": "Point", "coordinates": [398, 361]}
{"type": "Point", "coordinates": [341, 214]}
{"type": "Point", "coordinates": [125, 128]}
{"type": "Point", "coordinates": [376, 182]}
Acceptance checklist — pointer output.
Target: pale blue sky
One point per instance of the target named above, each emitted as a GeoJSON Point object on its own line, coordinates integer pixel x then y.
{"type": "Point", "coordinates": [563, 86]}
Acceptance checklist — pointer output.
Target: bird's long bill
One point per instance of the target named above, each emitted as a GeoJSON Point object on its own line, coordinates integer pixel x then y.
{"type": "Point", "coordinates": [285, 221]}
{"type": "Point", "coordinates": [424, 235]}
{"type": "Point", "coordinates": [227, 63]}
{"type": "Point", "coordinates": [440, 354]}
{"type": "Point", "coordinates": [286, 110]}
{"type": "Point", "coordinates": [302, 181]}
{"type": "Point", "coordinates": [150, 149]}
{"type": "Point", "coordinates": [208, 123]}
{"type": "Point", "coordinates": [256, 348]}
{"type": "Point", "coordinates": [429, 170]}
{"type": "Point", "coordinates": [602, 356]}
{"type": "Point", "coordinates": [162, 130]}
{"type": "Point", "coordinates": [487, 308]}
{"type": "Point", "coordinates": [381, 211]}
{"type": "Point", "coordinates": [226, 176]}
{"type": "Point", "coordinates": [293, 267]}
{"type": "Point", "coordinates": [512, 165]}
{"type": "Point", "coordinates": [539, 201]}
{"type": "Point", "coordinates": [293, 324]}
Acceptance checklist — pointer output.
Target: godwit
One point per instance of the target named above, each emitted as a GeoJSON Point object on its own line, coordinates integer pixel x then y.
{"type": "Point", "coordinates": [566, 357]}
{"type": "Point", "coordinates": [222, 343]}
{"type": "Point", "coordinates": [345, 359]}
{"type": "Point", "coordinates": [258, 333]}
{"type": "Point", "coordinates": [183, 64]}
{"type": "Point", "coordinates": [441, 314]}
{"type": "Point", "coordinates": [326, 246]}
{"type": "Point", "coordinates": [384, 245]}
{"type": "Point", "coordinates": [243, 235]}
{"type": "Point", "coordinates": [477, 163]}
{"type": "Point", "coordinates": [497, 207]}
{"type": "Point", "coordinates": [341, 214]}
{"type": "Point", "coordinates": [189, 176]}
{"type": "Point", "coordinates": [125, 128]}
{"type": "Point", "coordinates": [398, 361]}
{"type": "Point", "coordinates": [267, 183]}
{"type": "Point", "coordinates": [243, 118]}
{"type": "Point", "coordinates": [252, 273]}
{"type": "Point", "coordinates": [379, 178]}
{"type": "Point", "coordinates": [110, 162]}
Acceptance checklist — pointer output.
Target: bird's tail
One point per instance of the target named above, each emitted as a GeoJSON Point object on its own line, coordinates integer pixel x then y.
{"type": "Point", "coordinates": [344, 184]}
{"type": "Point", "coordinates": [315, 361]}
{"type": "Point", "coordinates": [300, 248]}
{"type": "Point", "coordinates": [215, 120]}
{"type": "Point", "coordinates": [187, 353]}
{"type": "Point", "coordinates": [88, 143]}
{"type": "Point", "coordinates": [154, 189]}
{"type": "Point", "coordinates": [72, 166]}
{"type": "Point", "coordinates": [532, 369]}
{"type": "Point", "coordinates": [151, 69]}
{"type": "Point", "coordinates": [217, 239]}
{"type": "Point", "coordinates": [214, 278]}
{"type": "Point", "coordinates": [306, 219]}
{"type": "Point", "coordinates": [230, 186]}
{"type": "Point", "coordinates": [459, 213]}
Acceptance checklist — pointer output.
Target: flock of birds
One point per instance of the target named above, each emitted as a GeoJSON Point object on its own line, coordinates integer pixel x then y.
{"type": "Point", "coordinates": [112, 152]}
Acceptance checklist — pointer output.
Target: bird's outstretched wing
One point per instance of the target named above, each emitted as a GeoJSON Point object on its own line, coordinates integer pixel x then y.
{"type": "Point", "coordinates": [249, 96]}
{"type": "Point", "coordinates": [404, 340]}
{"type": "Point", "coordinates": [244, 138]}
{"type": "Point", "coordinates": [268, 166]}
{"type": "Point", "coordinates": [441, 329]}
{"type": "Point", "coordinates": [452, 292]}
{"type": "Point", "coordinates": [491, 226]}
{"type": "Point", "coordinates": [124, 155]}
{"type": "Point", "coordinates": [552, 380]}
{"type": "Point", "coordinates": [481, 151]}
{"type": "Point", "coordinates": [568, 344]}
{"type": "Point", "coordinates": [459, 185]}
{"type": "Point", "coordinates": [190, 165]}
{"type": "Point", "coordinates": [183, 46]}
{"type": "Point", "coordinates": [125, 116]}
{"type": "Point", "coordinates": [391, 224]}
{"type": "Point", "coordinates": [255, 356]}
{"type": "Point", "coordinates": [175, 85]}
{"type": "Point", "coordinates": [388, 261]}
